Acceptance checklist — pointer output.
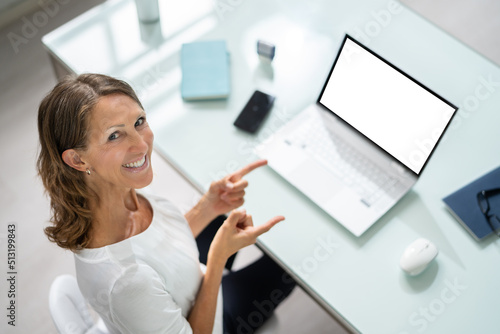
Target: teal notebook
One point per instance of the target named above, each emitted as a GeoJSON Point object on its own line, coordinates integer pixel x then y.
{"type": "Point", "coordinates": [463, 204]}
{"type": "Point", "coordinates": [205, 70]}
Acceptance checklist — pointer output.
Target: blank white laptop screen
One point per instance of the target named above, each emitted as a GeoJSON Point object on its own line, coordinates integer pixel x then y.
{"type": "Point", "coordinates": [389, 108]}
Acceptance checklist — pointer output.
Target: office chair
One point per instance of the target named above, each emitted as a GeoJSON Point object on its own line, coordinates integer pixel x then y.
{"type": "Point", "coordinates": [69, 311]}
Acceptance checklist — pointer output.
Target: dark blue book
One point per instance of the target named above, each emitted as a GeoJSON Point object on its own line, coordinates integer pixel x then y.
{"type": "Point", "coordinates": [464, 206]}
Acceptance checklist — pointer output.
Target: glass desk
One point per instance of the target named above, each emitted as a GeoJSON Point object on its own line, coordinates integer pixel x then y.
{"type": "Point", "coordinates": [358, 280]}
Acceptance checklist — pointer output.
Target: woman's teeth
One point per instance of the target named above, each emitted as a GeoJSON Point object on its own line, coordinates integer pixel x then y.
{"type": "Point", "coordinates": [136, 164]}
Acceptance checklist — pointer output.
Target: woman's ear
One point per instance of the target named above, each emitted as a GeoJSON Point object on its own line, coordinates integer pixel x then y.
{"type": "Point", "coordinates": [72, 159]}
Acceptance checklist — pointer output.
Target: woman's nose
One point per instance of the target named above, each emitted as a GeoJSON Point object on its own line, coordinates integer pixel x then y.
{"type": "Point", "coordinates": [139, 143]}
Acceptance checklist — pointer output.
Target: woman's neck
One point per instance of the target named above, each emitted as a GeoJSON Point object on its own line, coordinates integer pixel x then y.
{"type": "Point", "coordinates": [114, 217]}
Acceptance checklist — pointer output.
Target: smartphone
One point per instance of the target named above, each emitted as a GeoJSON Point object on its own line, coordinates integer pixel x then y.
{"type": "Point", "coordinates": [254, 112]}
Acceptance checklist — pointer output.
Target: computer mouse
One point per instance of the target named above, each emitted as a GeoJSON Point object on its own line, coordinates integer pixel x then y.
{"type": "Point", "coordinates": [417, 256]}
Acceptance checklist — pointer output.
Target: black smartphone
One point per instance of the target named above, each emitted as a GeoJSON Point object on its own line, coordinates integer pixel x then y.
{"type": "Point", "coordinates": [254, 112]}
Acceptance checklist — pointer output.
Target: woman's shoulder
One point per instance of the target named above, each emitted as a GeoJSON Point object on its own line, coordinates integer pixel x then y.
{"type": "Point", "coordinates": [155, 200]}
{"type": "Point", "coordinates": [137, 277]}
{"type": "Point", "coordinates": [163, 206]}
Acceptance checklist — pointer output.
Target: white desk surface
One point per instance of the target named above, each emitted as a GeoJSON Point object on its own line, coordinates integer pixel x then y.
{"type": "Point", "coordinates": [356, 278]}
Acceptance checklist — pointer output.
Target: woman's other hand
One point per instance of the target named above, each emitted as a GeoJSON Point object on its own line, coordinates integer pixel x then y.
{"type": "Point", "coordinates": [237, 232]}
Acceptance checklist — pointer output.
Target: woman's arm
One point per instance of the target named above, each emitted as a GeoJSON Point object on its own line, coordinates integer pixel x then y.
{"type": "Point", "coordinates": [202, 314]}
{"type": "Point", "coordinates": [236, 232]}
{"type": "Point", "coordinates": [200, 215]}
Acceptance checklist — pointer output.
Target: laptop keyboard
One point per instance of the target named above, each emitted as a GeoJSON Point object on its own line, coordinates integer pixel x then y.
{"type": "Point", "coordinates": [355, 170]}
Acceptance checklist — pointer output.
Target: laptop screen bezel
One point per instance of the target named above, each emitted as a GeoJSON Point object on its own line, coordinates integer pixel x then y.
{"type": "Point", "coordinates": [318, 102]}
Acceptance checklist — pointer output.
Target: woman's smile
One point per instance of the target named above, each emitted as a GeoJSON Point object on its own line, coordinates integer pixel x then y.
{"type": "Point", "coordinates": [138, 165]}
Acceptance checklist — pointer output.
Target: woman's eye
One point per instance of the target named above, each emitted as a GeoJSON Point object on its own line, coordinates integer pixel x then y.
{"type": "Point", "coordinates": [113, 136]}
{"type": "Point", "coordinates": [140, 121]}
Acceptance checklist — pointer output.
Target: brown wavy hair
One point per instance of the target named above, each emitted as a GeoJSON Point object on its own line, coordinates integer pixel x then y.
{"type": "Point", "coordinates": [63, 121]}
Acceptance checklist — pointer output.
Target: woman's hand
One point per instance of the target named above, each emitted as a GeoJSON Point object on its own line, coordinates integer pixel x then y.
{"type": "Point", "coordinates": [237, 232]}
{"type": "Point", "coordinates": [223, 196]}
{"type": "Point", "coordinates": [227, 193]}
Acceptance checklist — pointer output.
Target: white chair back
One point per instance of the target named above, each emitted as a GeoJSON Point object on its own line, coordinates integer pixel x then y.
{"type": "Point", "coordinates": [69, 310]}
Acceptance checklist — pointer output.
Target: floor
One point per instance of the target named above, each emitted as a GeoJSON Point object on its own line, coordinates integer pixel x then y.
{"type": "Point", "coordinates": [26, 76]}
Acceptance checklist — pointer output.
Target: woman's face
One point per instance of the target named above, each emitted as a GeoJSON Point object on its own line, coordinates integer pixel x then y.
{"type": "Point", "coordinates": [120, 144]}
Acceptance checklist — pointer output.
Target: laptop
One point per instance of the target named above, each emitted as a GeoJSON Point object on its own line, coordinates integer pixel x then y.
{"type": "Point", "coordinates": [364, 143]}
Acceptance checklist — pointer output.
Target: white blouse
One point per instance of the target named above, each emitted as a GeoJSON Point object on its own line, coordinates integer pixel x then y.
{"type": "Point", "coordinates": [149, 282]}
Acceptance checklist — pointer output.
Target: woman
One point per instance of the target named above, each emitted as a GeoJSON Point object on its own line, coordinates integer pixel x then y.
{"type": "Point", "coordinates": [136, 256]}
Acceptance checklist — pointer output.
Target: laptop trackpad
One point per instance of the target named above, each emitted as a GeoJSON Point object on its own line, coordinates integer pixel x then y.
{"type": "Point", "coordinates": [315, 181]}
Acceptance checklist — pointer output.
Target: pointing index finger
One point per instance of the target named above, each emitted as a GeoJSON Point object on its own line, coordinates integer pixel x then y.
{"type": "Point", "coordinates": [247, 169]}
{"type": "Point", "coordinates": [261, 229]}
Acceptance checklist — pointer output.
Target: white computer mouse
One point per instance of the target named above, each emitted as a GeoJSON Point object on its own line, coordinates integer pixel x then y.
{"type": "Point", "coordinates": [417, 256]}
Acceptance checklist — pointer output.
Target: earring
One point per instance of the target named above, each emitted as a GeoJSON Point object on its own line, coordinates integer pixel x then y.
{"type": "Point", "coordinates": [88, 171]}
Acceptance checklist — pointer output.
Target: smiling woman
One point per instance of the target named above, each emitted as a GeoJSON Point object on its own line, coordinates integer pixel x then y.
{"type": "Point", "coordinates": [116, 160]}
{"type": "Point", "coordinates": [64, 120]}
{"type": "Point", "coordinates": [136, 256]}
